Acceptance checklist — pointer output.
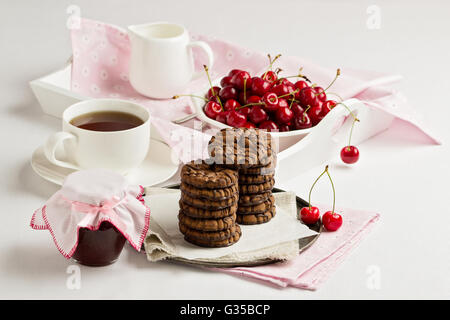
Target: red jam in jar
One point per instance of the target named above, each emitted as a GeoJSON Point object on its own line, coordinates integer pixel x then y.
{"type": "Point", "coordinates": [100, 247]}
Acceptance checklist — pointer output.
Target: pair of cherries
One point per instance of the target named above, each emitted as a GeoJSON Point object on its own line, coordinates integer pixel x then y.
{"type": "Point", "coordinates": [331, 220]}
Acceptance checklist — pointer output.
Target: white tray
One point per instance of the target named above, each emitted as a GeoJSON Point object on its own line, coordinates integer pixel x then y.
{"type": "Point", "coordinates": [301, 150]}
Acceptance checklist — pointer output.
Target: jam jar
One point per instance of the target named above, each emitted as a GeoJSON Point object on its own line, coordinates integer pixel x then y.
{"type": "Point", "coordinates": [100, 247]}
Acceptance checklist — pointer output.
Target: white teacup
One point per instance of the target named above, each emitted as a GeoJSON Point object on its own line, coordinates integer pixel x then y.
{"type": "Point", "coordinates": [161, 62]}
{"type": "Point", "coordinates": [119, 151]}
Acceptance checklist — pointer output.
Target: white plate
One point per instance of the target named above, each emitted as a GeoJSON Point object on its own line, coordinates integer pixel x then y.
{"type": "Point", "coordinates": [156, 168]}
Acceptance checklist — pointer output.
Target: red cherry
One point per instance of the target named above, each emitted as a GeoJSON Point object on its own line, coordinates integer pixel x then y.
{"type": "Point", "coordinates": [310, 215]}
{"type": "Point", "coordinates": [236, 119]}
{"type": "Point", "coordinates": [215, 99]}
{"type": "Point", "coordinates": [327, 106]}
{"type": "Point", "coordinates": [284, 115]}
{"type": "Point", "coordinates": [245, 111]}
{"type": "Point", "coordinates": [332, 220]}
{"type": "Point", "coordinates": [282, 89]}
{"type": "Point", "coordinates": [257, 115]}
{"type": "Point", "coordinates": [260, 86]}
{"type": "Point", "coordinates": [282, 103]}
{"type": "Point", "coordinates": [307, 97]}
{"type": "Point", "coordinates": [249, 125]}
{"type": "Point", "coordinates": [231, 105]}
{"type": "Point", "coordinates": [296, 108]}
{"type": "Point", "coordinates": [239, 79]}
{"type": "Point", "coordinates": [212, 109]}
{"type": "Point", "coordinates": [270, 100]}
{"type": "Point", "coordinates": [222, 117]}
{"type": "Point", "coordinates": [315, 115]}
{"type": "Point", "coordinates": [254, 99]}
{"type": "Point", "coordinates": [270, 76]}
{"type": "Point", "coordinates": [350, 154]}
{"type": "Point", "coordinates": [233, 72]}
{"type": "Point", "coordinates": [226, 81]}
{"type": "Point", "coordinates": [285, 127]}
{"type": "Point", "coordinates": [210, 94]}
{"type": "Point", "coordinates": [268, 125]}
{"type": "Point", "coordinates": [302, 121]}
{"type": "Point", "coordinates": [227, 93]}
{"type": "Point", "coordinates": [286, 82]}
{"type": "Point", "coordinates": [320, 94]}
{"type": "Point", "coordinates": [300, 85]}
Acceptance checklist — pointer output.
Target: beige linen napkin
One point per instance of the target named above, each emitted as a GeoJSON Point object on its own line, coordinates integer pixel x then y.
{"type": "Point", "coordinates": [277, 239]}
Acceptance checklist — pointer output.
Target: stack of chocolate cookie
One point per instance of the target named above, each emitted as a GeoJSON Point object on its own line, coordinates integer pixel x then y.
{"type": "Point", "coordinates": [208, 205]}
{"type": "Point", "coordinates": [251, 153]}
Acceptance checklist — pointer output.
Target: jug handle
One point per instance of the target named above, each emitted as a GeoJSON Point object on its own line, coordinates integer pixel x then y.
{"type": "Point", "coordinates": [207, 49]}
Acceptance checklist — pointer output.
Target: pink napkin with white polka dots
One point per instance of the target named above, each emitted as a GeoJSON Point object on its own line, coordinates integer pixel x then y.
{"type": "Point", "coordinates": [101, 54]}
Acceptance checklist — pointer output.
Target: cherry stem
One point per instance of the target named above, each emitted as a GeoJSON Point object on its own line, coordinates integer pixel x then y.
{"type": "Point", "coordinates": [188, 95]}
{"type": "Point", "coordinates": [353, 115]}
{"type": "Point", "coordinates": [335, 94]}
{"type": "Point", "coordinates": [338, 73]}
{"type": "Point", "coordinates": [351, 132]}
{"type": "Point", "coordinates": [289, 94]}
{"type": "Point", "coordinates": [245, 89]}
{"type": "Point", "coordinates": [332, 186]}
{"type": "Point", "coordinates": [210, 84]}
{"type": "Point", "coordinates": [312, 187]}
{"type": "Point", "coordinates": [296, 76]}
{"type": "Point", "coordinates": [250, 104]}
{"type": "Point", "coordinates": [270, 64]}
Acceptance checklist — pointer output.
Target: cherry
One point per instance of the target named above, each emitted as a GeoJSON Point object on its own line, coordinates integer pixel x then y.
{"type": "Point", "coordinates": [231, 104]}
{"type": "Point", "coordinates": [245, 111]}
{"type": "Point", "coordinates": [212, 109]}
{"type": "Point", "coordinates": [284, 115]}
{"type": "Point", "coordinates": [286, 82]}
{"type": "Point", "coordinates": [320, 94]}
{"type": "Point", "coordinates": [282, 89]}
{"type": "Point", "coordinates": [282, 103]}
{"type": "Point", "coordinates": [254, 99]}
{"type": "Point", "coordinates": [226, 81]}
{"type": "Point", "coordinates": [257, 115]}
{"type": "Point", "coordinates": [260, 86]}
{"type": "Point", "coordinates": [212, 92]}
{"type": "Point", "coordinates": [327, 106]}
{"type": "Point", "coordinates": [243, 97]}
{"type": "Point", "coordinates": [302, 121]}
{"type": "Point", "coordinates": [227, 93]}
{"type": "Point", "coordinates": [270, 99]}
{"type": "Point", "coordinates": [215, 99]}
{"type": "Point", "coordinates": [270, 76]}
{"type": "Point", "coordinates": [236, 119]}
{"type": "Point", "coordinates": [350, 154]}
{"type": "Point", "coordinates": [239, 78]}
{"type": "Point", "coordinates": [268, 125]}
{"type": "Point", "coordinates": [315, 114]}
{"type": "Point", "coordinates": [222, 117]}
{"type": "Point", "coordinates": [307, 96]}
{"type": "Point", "coordinates": [233, 72]}
{"type": "Point", "coordinates": [332, 220]}
{"type": "Point", "coordinates": [249, 125]}
{"type": "Point", "coordinates": [285, 127]}
{"type": "Point", "coordinates": [296, 108]}
{"type": "Point", "coordinates": [310, 215]}
{"type": "Point", "coordinates": [300, 85]}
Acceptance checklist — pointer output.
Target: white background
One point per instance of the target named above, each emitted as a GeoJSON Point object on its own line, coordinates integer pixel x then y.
{"type": "Point", "coordinates": [399, 175]}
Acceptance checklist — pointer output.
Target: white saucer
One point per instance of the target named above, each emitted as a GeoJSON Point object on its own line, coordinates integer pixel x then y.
{"type": "Point", "coordinates": [156, 168]}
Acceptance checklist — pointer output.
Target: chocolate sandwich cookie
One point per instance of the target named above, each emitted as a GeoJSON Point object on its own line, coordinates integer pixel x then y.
{"type": "Point", "coordinates": [253, 199]}
{"type": "Point", "coordinates": [210, 194]}
{"type": "Point", "coordinates": [254, 179]}
{"type": "Point", "coordinates": [210, 177]}
{"type": "Point", "coordinates": [208, 235]}
{"type": "Point", "coordinates": [207, 224]}
{"type": "Point", "coordinates": [216, 244]}
{"type": "Point", "coordinates": [268, 169]}
{"type": "Point", "coordinates": [256, 188]}
{"type": "Point", "coordinates": [257, 208]}
{"type": "Point", "coordinates": [194, 212]}
{"type": "Point", "coordinates": [209, 204]}
{"type": "Point", "coordinates": [257, 218]}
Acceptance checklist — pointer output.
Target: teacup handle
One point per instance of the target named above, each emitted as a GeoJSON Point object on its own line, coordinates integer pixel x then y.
{"type": "Point", "coordinates": [50, 149]}
{"type": "Point", "coordinates": [207, 49]}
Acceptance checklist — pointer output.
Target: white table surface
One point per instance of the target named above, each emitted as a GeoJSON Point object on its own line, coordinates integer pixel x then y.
{"type": "Point", "coordinates": [398, 175]}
